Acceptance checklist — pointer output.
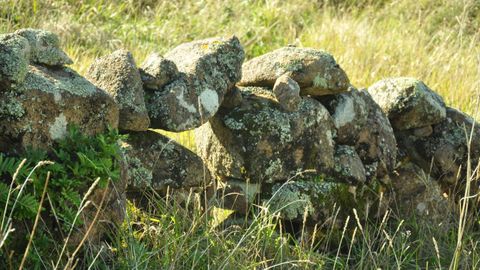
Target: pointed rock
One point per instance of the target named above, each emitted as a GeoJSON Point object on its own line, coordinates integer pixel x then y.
{"type": "Point", "coordinates": [117, 74]}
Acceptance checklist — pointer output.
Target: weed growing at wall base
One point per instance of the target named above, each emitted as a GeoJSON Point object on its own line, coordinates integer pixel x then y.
{"type": "Point", "coordinates": [76, 163]}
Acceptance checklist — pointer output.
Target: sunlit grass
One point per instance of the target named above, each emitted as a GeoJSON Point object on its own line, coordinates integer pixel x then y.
{"type": "Point", "coordinates": [436, 41]}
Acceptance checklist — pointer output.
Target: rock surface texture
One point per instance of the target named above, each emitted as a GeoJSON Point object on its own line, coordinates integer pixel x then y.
{"type": "Point", "coordinates": [44, 47]}
{"type": "Point", "coordinates": [207, 70]}
{"type": "Point", "coordinates": [261, 142]}
{"type": "Point", "coordinates": [157, 71]}
{"type": "Point", "coordinates": [117, 74]}
{"type": "Point", "coordinates": [316, 71]}
{"type": "Point", "coordinates": [157, 162]}
{"type": "Point", "coordinates": [445, 151]}
{"type": "Point", "coordinates": [408, 102]}
{"type": "Point", "coordinates": [14, 59]}
{"type": "Point", "coordinates": [361, 123]}
{"type": "Point", "coordinates": [38, 111]}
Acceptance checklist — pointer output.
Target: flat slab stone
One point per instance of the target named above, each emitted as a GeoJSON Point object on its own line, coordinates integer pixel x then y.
{"type": "Point", "coordinates": [316, 71]}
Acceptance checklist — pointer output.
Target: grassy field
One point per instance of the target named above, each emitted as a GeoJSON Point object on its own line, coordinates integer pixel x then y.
{"type": "Point", "coordinates": [436, 41]}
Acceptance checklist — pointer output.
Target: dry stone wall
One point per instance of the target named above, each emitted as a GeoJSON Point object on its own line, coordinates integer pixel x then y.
{"type": "Point", "coordinates": [287, 127]}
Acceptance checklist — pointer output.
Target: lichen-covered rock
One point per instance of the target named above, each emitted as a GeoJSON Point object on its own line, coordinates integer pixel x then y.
{"type": "Point", "coordinates": [157, 71]}
{"type": "Point", "coordinates": [408, 102]}
{"type": "Point", "coordinates": [260, 142]}
{"type": "Point", "coordinates": [414, 193]}
{"type": "Point", "coordinates": [446, 147]}
{"type": "Point", "coordinates": [14, 59]}
{"type": "Point", "coordinates": [287, 92]}
{"type": "Point", "coordinates": [45, 47]}
{"type": "Point", "coordinates": [157, 162]}
{"type": "Point", "coordinates": [349, 113]}
{"type": "Point", "coordinates": [316, 71]}
{"type": "Point", "coordinates": [38, 111]}
{"type": "Point", "coordinates": [361, 123]}
{"type": "Point", "coordinates": [313, 200]}
{"type": "Point", "coordinates": [348, 165]}
{"type": "Point", "coordinates": [207, 70]}
{"type": "Point", "coordinates": [117, 74]}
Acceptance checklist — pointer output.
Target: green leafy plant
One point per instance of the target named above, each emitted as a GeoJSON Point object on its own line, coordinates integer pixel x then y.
{"type": "Point", "coordinates": [77, 161]}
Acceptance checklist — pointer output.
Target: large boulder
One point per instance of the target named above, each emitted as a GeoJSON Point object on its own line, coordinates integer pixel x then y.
{"type": "Point", "coordinates": [361, 123]}
{"type": "Point", "coordinates": [118, 75]}
{"type": "Point", "coordinates": [207, 70]}
{"type": "Point", "coordinates": [445, 152]}
{"type": "Point", "coordinates": [260, 142]}
{"type": "Point", "coordinates": [44, 47]}
{"type": "Point", "coordinates": [37, 112]}
{"type": "Point", "coordinates": [156, 162]}
{"type": "Point", "coordinates": [14, 59]}
{"type": "Point", "coordinates": [408, 102]}
{"type": "Point", "coordinates": [316, 71]}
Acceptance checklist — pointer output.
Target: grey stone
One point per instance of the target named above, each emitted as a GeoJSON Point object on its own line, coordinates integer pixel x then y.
{"type": "Point", "coordinates": [348, 165]}
{"type": "Point", "coordinates": [157, 71]}
{"type": "Point", "coordinates": [117, 74]}
{"type": "Point", "coordinates": [45, 47]}
{"type": "Point", "coordinates": [14, 59]}
{"type": "Point", "coordinates": [259, 142]}
{"type": "Point", "coordinates": [37, 112]}
{"type": "Point", "coordinates": [156, 162]}
{"type": "Point", "coordinates": [287, 92]}
{"type": "Point", "coordinates": [316, 71]}
{"type": "Point", "coordinates": [207, 70]}
{"type": "Point", "coordinates": [423, 131]}
{"type": "Point", "coordinates": [408, 102]}
{"type": "Point", "coordinates": [349, 113]}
